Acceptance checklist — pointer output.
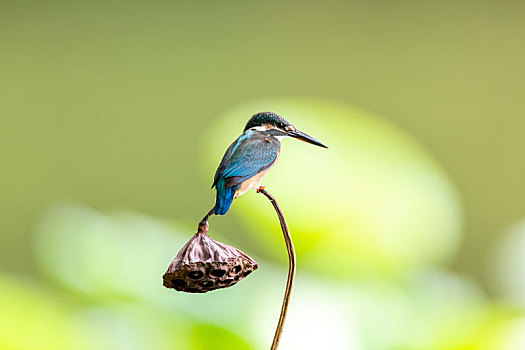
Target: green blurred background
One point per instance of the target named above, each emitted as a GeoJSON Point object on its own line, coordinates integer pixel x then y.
{"type": "Point", "coordinates": [410, 229]}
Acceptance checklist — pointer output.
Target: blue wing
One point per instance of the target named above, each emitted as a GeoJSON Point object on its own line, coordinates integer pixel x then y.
{"type": "Point", "coordinates": [250, 154]}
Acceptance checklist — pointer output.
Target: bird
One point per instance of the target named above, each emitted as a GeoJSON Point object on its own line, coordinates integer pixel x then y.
{"type": "Point", "coordinates": [251, 156]}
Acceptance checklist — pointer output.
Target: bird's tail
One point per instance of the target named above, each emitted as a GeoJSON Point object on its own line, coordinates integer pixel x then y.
{"type": "Point", "coordinates": [224, 197]}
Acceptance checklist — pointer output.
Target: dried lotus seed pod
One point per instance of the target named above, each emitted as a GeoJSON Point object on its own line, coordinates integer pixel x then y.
{"type": "Point", "coordinates": [204, 264]}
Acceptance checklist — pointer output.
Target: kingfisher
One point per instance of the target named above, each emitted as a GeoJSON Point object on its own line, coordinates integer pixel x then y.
{"type": "Point", "coordinates": [251, 156]}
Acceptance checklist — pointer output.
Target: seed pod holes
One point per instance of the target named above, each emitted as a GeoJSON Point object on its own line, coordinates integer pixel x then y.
{"type": "Point", "coordinates": [204, 264]}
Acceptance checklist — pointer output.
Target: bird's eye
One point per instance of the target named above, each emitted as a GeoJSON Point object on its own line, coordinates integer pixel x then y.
{"type": "Point", "coordinates": [280, 126]}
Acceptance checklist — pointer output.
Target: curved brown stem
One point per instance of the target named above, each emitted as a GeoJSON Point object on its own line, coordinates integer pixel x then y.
{"type": "Point", "coordinates": [203, 225]}
{"type": "Point", "coordinates": [291, 268]}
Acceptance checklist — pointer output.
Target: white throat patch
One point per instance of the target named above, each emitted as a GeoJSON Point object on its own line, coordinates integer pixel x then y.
{"type": "Point", "coordinates": [263, 128]}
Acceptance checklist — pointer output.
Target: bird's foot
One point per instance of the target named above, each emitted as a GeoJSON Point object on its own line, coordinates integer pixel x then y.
{"type": "Point", "coordinates": [260, 188]}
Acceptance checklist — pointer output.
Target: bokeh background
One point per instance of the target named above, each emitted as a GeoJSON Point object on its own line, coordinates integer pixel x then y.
{"type": "Point", "coordinates": [410, 229]}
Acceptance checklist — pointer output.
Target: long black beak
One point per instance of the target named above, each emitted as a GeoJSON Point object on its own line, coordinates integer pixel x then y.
{"type": "Point", "coordinates": [306, 138]}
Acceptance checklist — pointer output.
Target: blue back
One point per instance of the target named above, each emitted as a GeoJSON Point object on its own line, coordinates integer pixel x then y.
{"type": "Point", "coordinates": [253, 152]}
